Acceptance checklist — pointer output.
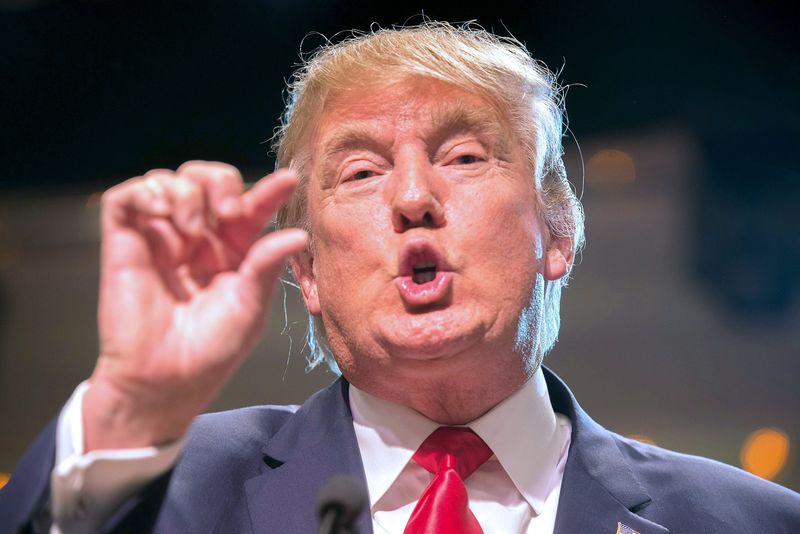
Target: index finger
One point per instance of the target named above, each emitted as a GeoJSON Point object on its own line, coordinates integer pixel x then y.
{"type": "Point", "coordinates": [266, 197]}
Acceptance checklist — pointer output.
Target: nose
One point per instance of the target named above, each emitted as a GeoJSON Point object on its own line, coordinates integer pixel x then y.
{"type": "Point", "coordinates": [416, 194]}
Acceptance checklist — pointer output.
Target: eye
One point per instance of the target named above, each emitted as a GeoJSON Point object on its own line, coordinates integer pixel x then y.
{"type": "Point", "coordinates": [465, 159]}
{"type": "Point", "coordinates": [359, 170]}
{"type": "Point", "coordinates": [466, 153]}
{"type": "Point", "coordinates": [362, 175]}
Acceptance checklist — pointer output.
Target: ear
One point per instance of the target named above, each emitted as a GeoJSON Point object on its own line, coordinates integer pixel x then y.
{"type": "Point", "coordinates": [558, 259]}
{"type": "Point", "coordinates": [303, 268]}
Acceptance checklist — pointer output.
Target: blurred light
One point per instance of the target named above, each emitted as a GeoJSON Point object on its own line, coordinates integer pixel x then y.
{"type": "Point", "coordinates": [764, 452]}
{"type": "Point", "coordinates": [3, 479]}
{"type": "Point", "coordinates": [643, 439]}
{"type": "Point", "coordinates": [610, 167]}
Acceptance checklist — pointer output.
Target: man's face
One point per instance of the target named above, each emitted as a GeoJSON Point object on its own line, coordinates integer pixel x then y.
{"type": "Point", "coordinates": [427, 239]}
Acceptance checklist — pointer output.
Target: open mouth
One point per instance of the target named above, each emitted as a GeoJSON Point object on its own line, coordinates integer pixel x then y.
{"type": "Point", "coordinates": [424, 276]}
{"type": "Point", "coordinates": [421, 262]}
{"type": "Point", "coordinates": [424, 272]}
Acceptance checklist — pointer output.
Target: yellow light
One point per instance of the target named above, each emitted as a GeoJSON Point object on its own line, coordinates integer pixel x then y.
{"type": "Point", "coordinates": [3, 479]}
{"type": "Point", "coordinates": [609, 167]}
{"type": "Point", "coordinates": [643, 439]}
{"type": "Point", "coordinates": [764, 452]}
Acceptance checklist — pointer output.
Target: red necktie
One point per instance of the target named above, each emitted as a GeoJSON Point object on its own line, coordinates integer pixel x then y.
{"type": "Point", "coordinates": [451, 454]}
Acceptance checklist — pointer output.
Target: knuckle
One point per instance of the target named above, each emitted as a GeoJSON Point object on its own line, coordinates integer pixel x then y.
{"type": "Point", "coordinates": [110, 196]}
{"type": "Point", "coordinates": [223, 170]}
{"type": "Point", "coordinates": [157, 181]}
{"type": "Point", "coordinates": [120, 192]}
{"type": "Point", "coordinates": [191, 166]}
{"type": "Point", "coordinates": [159, 173]}
{"type": "Point", "coordinates": [187, 189]}
{"type": "Point", "coordinates": [213, 173]}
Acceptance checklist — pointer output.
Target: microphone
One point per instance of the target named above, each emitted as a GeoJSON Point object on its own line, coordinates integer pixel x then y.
{"type": "Point", "coordinates": [340, 501]}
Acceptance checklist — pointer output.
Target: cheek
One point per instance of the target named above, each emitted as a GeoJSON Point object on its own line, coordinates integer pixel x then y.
{"type": "Point", "coordinates": [349, 252]}
{"type": "Point", "coordinates": [506, 238]}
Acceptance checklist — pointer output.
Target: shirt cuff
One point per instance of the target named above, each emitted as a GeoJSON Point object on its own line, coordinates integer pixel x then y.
{"type": "Point", "coordinates": [87, 488]}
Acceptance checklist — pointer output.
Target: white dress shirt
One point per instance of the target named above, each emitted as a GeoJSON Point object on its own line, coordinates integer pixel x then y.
{"type": "Point", "coordinates": [516, 490]}
{"type": "Point", "coordinates": [86, 488]}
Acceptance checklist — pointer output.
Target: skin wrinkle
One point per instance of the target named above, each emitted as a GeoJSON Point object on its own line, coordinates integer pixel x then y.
{"type": "Point", "coordinates": [447, 122]}
{"type": "Point", "coordinates": [457, 357]}
{"type": "Point", "coordinates": [499, 70]}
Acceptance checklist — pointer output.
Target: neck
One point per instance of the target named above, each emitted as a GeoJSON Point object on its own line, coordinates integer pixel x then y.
{"type": "Point", "coordinates": [441, 393]}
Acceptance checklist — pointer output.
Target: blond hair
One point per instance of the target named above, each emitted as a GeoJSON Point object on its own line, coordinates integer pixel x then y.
{"type": "Point", "coordinates": [499, 69]}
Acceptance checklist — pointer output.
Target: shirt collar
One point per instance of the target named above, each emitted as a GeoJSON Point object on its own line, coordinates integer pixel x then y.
{"type": "Point", "coordinates": [522, 431]}
{"type": "Point", "coordinates": [388, 434]}
{"type": "Point", "coordinates": [527, 438]}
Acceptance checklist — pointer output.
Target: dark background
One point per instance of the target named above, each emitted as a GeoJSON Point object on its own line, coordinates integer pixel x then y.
{"type": "Point", "coordinates": [681, 322]}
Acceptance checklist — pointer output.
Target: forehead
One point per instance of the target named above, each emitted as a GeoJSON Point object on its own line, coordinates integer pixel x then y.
{"type": "Point", "coordinates": [413, 104]}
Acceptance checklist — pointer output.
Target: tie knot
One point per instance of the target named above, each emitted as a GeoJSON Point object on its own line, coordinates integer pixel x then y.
{"type": "Point", "coordinates": [451, 447]}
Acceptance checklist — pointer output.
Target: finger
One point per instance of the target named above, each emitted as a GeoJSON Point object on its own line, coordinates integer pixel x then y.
{"type": "Point", "coordinates": [259, 204]}
{"type": "Point", "coordinates": [143, 195]}
{"type": "Point", "coordinates": [135, 217]}
{"type": "Point", "coordinates": [264, 199]}
{"type": "Point", "coordinates": [168, 246]}
{"type": "Point", "coordinates": [189, 206]}
{"type": "Point", "coordinates": [266, 259]}
{"type": "Point", "coordinates": [221, 183]}
{"type": "Point", "coordinates": [158, 207]}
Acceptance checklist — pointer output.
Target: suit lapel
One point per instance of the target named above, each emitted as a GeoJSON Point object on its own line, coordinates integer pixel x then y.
{"type": "Point", "coordinates": [599, 492]}
{"type": "Point", "coordinates": [585, 505]}
{"type": "Point", "coordinates": [317, 443]}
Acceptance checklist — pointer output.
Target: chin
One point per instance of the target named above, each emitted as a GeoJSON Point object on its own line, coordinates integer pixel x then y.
{"type": "Point", "coordinates": [428, 336]}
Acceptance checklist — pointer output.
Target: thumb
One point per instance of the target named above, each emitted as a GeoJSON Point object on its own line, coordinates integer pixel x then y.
{"type": "Point", "coordinates": [266, 259]}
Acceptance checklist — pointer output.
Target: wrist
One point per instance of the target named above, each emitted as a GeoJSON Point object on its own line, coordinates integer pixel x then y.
{"type": "Point", "coordinates": [114, 418]}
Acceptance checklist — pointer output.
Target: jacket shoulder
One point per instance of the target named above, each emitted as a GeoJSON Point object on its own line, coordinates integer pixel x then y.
{"type": "Point", "coordinates": [224, 436]}
{"type": "Point", "coordinates": [222, 450]}
{"type": "Point", "coordinates": [708, 493]}
{"type": "Point", "coordinates": [242, 425]}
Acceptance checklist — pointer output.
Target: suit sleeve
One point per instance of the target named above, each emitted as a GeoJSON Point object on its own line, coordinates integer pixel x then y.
{"type": "Point", "coordinates": [85, 489]}
{"type": "Point", "coordinates": [23, 500]}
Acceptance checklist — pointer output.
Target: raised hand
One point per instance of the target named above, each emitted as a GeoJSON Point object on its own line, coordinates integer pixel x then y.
{"type": "Point", "coordinates": [186, 280]}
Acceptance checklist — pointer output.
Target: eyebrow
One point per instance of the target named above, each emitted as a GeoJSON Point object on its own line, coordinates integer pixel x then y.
{"type": "Point", "coordinates": [351, 136]}
{"type": "Point", "coordinates": [456, 117]}
{"type": "Point", "coordinates": [447, 120]}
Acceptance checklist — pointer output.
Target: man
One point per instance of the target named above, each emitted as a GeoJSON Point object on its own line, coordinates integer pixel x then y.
{"type": "Point", "coordinates": [436, 229]}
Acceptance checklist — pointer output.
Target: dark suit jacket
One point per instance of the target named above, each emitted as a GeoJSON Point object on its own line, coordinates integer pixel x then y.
{"type": "Point", "coordinates": [260, 469]}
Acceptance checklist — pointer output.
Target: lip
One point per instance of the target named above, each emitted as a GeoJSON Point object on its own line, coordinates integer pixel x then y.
{"type": "Point", "coordinates": [431, 292]}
